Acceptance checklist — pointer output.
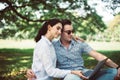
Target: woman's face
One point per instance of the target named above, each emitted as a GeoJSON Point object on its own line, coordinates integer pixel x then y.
{"type": "Point", "coordinates": [56, 30]}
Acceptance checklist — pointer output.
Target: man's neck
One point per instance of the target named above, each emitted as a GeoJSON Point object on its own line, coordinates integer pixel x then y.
{"type": "Point", "coordinates": [65, 43]}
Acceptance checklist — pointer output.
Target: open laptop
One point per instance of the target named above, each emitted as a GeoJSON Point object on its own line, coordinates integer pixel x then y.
{"type": "Point", "coordinates": [97, 68]}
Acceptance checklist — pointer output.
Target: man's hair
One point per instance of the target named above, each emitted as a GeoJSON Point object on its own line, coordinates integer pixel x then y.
{"type": "Point", "coordinates": [65, 22]}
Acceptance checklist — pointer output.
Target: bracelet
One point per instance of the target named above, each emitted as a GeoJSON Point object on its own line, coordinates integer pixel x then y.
{"type": "Point", "coordinates": [118, 67]}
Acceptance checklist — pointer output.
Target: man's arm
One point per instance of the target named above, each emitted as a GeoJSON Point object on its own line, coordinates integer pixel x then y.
{"type": "Point", "coordinates": [98, 56]}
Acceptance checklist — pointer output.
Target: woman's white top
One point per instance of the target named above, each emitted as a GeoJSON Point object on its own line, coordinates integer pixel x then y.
{"type": "Point", "coordinates": [44, 61]}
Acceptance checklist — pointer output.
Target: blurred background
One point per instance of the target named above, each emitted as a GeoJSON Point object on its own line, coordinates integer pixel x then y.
{"type": "Point", "coordinates": [95, 21]}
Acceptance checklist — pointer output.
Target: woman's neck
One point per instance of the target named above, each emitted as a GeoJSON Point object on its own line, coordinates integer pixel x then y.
{"type": "Point", "coordinates": [49, 37]}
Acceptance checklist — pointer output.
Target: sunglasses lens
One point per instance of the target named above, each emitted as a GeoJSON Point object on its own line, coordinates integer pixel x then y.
{"type": "Point", "coordinates": [69, 32]}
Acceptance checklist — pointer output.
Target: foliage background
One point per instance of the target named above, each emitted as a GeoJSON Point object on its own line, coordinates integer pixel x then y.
{"type": "Point", "coordinates": [21, 19]}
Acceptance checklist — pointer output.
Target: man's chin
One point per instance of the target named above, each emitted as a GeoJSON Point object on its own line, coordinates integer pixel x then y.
{"type": "Point", "coordinates": [69, 40]}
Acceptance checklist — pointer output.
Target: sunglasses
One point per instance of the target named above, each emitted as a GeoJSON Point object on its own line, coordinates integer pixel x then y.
{"type": "Point", "coordinates": [69, 32]}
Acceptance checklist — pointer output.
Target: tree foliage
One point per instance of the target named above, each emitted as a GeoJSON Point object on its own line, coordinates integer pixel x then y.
{"type": "Point", "coordinates": [113, 6]}
{"type": "Point", "coordinates": [115, 22]}
{"type": "Point", "coordinates": [111, 34]}
{"type": "Point", "coordinates": [23, 18]}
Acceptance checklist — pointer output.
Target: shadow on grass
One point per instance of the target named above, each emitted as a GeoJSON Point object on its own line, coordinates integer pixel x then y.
{"type": "Point", "coordinates": [14, 62]}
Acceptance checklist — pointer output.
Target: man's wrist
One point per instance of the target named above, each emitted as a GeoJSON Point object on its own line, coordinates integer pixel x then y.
{"type": "Point", "coordinates": [118, 67]}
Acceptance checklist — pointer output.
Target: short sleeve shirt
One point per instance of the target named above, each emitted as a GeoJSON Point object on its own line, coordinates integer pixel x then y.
{"type": "Point", "coordinates": [71, 58]}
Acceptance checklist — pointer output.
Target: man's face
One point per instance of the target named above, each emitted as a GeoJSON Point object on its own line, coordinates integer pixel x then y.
{"type": "Point", "coordinates": [67, 33]}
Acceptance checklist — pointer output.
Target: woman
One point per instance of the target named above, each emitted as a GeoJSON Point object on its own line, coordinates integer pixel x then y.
{"type": "Point", "coordinates": [44, 58]}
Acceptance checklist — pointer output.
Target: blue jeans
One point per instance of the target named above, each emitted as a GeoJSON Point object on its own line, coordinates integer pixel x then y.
{"type": "Point", "coordinates": [105, 74]}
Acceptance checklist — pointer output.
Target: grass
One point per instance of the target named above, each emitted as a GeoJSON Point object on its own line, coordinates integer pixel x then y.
{"type": "Point", "coordinates": [16, 57]}
{"type": "Point", "coordinates": [14, 62]}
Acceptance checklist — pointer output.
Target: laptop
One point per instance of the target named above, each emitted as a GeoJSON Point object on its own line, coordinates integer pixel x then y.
{"type": "Point", "coordinates": [97, 68]}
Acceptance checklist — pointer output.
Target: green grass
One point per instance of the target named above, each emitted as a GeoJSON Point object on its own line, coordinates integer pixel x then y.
{"type": "Point", "coordinates": [14, 62]}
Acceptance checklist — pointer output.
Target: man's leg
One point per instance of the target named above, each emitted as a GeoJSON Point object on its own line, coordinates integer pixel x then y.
{"type": "Point", "coordinates": [86, 73]}
{"type": "Point", "coordinates": [107, 74]}
{"type": "Point", "coordinates": [72, 77]}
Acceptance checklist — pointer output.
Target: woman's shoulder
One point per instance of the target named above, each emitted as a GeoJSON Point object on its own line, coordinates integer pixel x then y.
{"type": "Point", "coordinates": [41, 43]}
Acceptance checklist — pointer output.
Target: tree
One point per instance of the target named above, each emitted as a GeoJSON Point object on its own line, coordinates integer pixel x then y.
{"type": "Point", "coordinates": [23, 18]}
{"type": "Point", "coordinates": [114, 28]}
{"type": "Point", "coordinates": [112, 32]}
{"type": "Point", "coordinates": [113, 6]}
{"type": "Point", "coordinates": [115, 22]}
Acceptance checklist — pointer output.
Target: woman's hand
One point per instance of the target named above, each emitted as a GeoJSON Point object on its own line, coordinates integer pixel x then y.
{"type": "Point", "coordinates": [30, 75]}
{"type": "Point", "coordinates": [76, 38]}
{"type": "Point", "coordinates": [79, 73]}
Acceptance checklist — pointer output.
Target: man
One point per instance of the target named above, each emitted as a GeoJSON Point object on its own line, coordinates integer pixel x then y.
{"type": "Point", "coordinates": [69, 56]}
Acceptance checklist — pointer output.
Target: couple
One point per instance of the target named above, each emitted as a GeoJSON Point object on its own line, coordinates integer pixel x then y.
{"type": "Point", "coordinates": [63, 58]}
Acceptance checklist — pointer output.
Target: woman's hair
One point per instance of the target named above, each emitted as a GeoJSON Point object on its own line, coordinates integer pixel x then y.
{"type": "Point", "coordinates": [44, 28]}
{"type": "Point", "coordinates": [65, 22]}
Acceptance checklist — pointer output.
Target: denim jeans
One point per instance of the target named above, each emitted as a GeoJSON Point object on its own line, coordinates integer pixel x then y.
{"type": "Point", "coordinates": [105, 74]}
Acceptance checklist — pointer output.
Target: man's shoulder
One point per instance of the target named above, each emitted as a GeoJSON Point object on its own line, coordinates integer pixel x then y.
{"type": "Point", "coordinates": [77, 42]}
{"type": "Point", "coordinates": [55, 42]}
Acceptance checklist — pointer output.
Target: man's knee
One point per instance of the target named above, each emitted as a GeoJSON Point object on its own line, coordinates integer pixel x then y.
{"type": "Point", "coordinates": [72, 77]}
{"type": "Point", "coordinates": [112, 71]}
{"type": "Point", "coordinates": [107, 74]}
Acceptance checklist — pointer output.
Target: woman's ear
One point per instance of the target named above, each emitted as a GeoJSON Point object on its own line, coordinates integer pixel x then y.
{"type": "Point", "coordinates": [49, 27]}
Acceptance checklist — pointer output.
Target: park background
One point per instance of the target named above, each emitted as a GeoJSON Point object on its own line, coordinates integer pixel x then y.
{"type": "Point", "coordinates": [95, 21]}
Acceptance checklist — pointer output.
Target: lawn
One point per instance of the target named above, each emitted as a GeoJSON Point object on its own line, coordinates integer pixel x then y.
{"type": "Point", "coordinates": [14, 62]}
{"type": "Point", "coordinates": [17, 57]}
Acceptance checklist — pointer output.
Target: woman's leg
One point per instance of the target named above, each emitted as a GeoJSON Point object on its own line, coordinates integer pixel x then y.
{"type": "Point", "coordinates": [72, 77]}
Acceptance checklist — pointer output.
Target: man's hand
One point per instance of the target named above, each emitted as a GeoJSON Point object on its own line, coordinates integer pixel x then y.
{"type": "Point", "coordinates": [78, 38]}
{"type": "Point", "coordinates": [30, 75]}
{"type": "Point", "coordinates": [117, 77]}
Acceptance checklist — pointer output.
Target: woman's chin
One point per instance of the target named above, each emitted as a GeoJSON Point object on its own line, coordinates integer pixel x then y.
{"type": "Point", "coordinates": [56, 36]}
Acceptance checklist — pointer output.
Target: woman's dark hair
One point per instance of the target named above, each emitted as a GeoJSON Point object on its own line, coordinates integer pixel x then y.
{"type": "Point", "coordinates": [44, 28]}
{"type": "Point", "coordinates": [65, 22]}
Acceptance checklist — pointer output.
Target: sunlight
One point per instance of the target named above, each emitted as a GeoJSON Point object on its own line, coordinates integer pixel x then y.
{"type": "Point", "coordinates": [2, 6]}
{"type": "Point", "coordinates": [24, 61]}
{"type": "Point", "coordinates": [90, 58]}
{"type": "Point", "coordinates": [101, 10]}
